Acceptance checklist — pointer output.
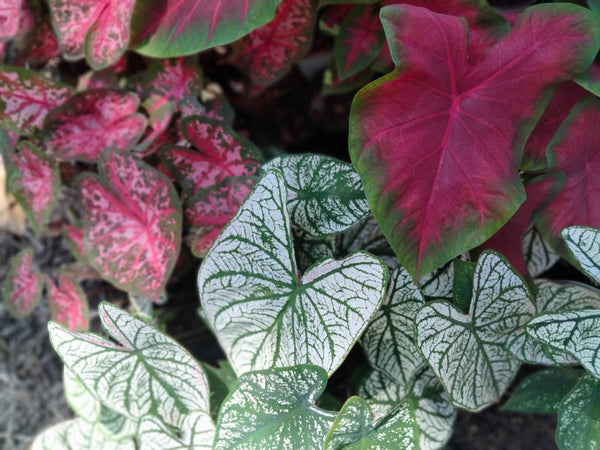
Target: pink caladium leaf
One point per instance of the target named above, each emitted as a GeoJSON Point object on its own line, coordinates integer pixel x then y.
{"type": "Point", "coordinates": [270, 51]}
{"type": "Point", "coordinates": [9, 19]}
{"type": "Point", "coordinates": [132, 224]}
{"type": "Point", "coordinates": [23, 285]}
{"type": "Point", "coordinates": [68, 303]}
{"type": "Point", "coordinates": [41, 45]}
{"type": "Point", "coordinates": [98, 29]}
{"type": "Point", "coordinates": [438, 142]}
{"type": "Point", "coordinates": [575, 151]}
{"type": "Point", "coordinates": [173, 79]}
{"type": "Point", "coordinates": [219, 153]}
{"type": "Point", "coordinates": [34, 180]}
{"type": "Point", "coordinates": [160, 111]}
{"type": "Point", "coordinates": [92, 121]}
{"type": "Point", "coordinates": [26, 98]}
{"type": "Point", "coordinates": [210, 210]}
{"type": "Point", "coordinates": [74, 237]}
{"type": "Point", "coordinates": [184, 27]}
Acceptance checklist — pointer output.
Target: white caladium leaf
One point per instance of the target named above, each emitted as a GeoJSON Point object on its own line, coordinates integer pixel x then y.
{"type": "Point", "coordinates": [584, 244]}
{"type": "Point", "coordinates": [263, 314]}
{"type": "Point", "coordinates": [197, 431]}
{"type": "Point", "coordinates": [467, 352]}
{"type": "Point", "coordinates": [578, 426]}
{"type": "Point", "coordinates": [149, 373]}
{"type": "Point", "coordinates": [275, 409]}
{"type": "Point", "coordinates": [539, 256]}
{"type": "Point", "coordinates": [353, 428]}
{"type": "Point", "coordinates": [310, 249]}
{"type": "Point", "coordinates": [325, 196]}
{"type": "Point", "coordinates": [438, 284]}
{"type": "Point", "coordinates": [576, 332]}
{"type": "Point", "coordinates": [23, 285]}
{"type": "Point", "coordinates": [389, 341]}
{"type": "Point", "coordinates": [552, 297]}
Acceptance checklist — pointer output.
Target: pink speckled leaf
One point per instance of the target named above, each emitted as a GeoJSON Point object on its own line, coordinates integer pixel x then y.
{"type": "Point", "coordinates": [210, 210]}
{"type": "Point", "coordinates": [68, 303]}
{"type": "Point", "coordinates": [220, 153]}
{"type": "Point", "coordinates": [9, 18]}
{"type": "Point", "coordinates": [23, 285]}
{"type": "Point", "coordinates": [74, 237]}
{"type": "Point", "coordinates": [173, 79]}
{"type": "Point", "coordinates": [41, 45]}
{"type": "Point", "coordinates": [26, 98]}
{"type": "Point", "coordinates": [160, 111]}
{"type": "Point", "coordinates": [97, 28]}
{"type": "Point", "coordinates": [270, 51]}
{"type": "Point", "coordinates": [34, 180]}
{"type": "Point", "coordinates": [92, 121]}
{"type": "Point", "coordinates": [132, 224]}
{"type": "Point", "coordinates": [438, 142]}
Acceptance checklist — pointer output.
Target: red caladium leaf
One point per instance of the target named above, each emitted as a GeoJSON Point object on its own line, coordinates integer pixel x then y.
{"type": "Point", "coordinates": [34, 181]}
{"type": "Point", "coordinates": [92, 121]}
{"type": "Point", "coordinates": [438, 142]}
{"type": "Point", "coordinates": [220, 154]}
{"type": "Point", "coordinates": [540, 191]}
{"type": "Point", "coordinates": [97, 28]}
{"type": "Point", "coordinates": [68, 303]}
{"type": "Point", "coordinates": [23, 285]}
{"type": "Point", "coordinates": [160, 111]}
{"type": "Point", "coordinates": [185, 27]}
{"type": "Point", "coordinates": [41, 45]}
{"type": "Point", "coordinates": [9, 18]}
{"type": "Point", "coordinates": [270, 51]}
{"type": "Point", "coordinates": [359, 42]}
{"type": "Point", "coordinates": [173, 79]}
{"type": "Point", "coordinates": [132, 224]}
{"type": "Point", "coordinates": [26, 98]}
{"type": "Point", "coordinates": [575, 151]}
{"type": "Point", "coordinates": [210, 210]}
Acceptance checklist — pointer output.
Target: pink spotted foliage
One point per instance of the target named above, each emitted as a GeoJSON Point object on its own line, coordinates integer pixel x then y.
{"type": "Point", "coordinates": [173, 79]}
{"type": "Point", "coordinates": [92, 121]}
{"type": "Point", "coordinates": [68, 303]}
{"type": "Point", "coordinates": [23, 285]}
{"type": "Point", "coordinates": [160, 111]}
{"type": "Point", "coordinates": [74, 237]}
{"type": "Point", "coordinates": [9, 18]}
{"type": "Point", "coordinates": [41, 45]}
{"type": "Point", "coordinates": [132, 224]}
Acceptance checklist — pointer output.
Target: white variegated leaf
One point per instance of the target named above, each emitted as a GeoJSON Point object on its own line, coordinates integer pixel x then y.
{"type": "Point", "coordinates": [275, 409]}
{"type": "Point", "coordinates": [263, 314]}
{"type": "Point", "coordinates": [197, 431]}
{"type": "Point", "coordinates": [367, 236]}
{"type": "Point", "coordinates": [353, 428]}
{"type": "Point", "coordinates": [324, 195]}
{"type": "Point", "coordinates": [584, 244]}
{"type": "Point", "coordinates": [539, 256]}
{"type": "Point", "coordinates": [438, 284]}
{"type": "Point", "coordinates": [576, 332]}
{"type": "Point", "coordinates": [148, 373]}
{"type": "Point", "coordinates": [467, 352]}
{"type": "Point", "coordinates": [578, 426]}
{"type": "Point", "coordinates": [389, 342]}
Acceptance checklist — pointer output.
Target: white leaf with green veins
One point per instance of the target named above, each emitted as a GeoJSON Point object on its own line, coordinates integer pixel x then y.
{"type": "Point", "coordinates": [263, 314]}
{"type": "Point", "coordinates": [275, 409]}
{"type": "Point", "coordinates": [325, 196]}
{"type": "Point", "coordinates": [552, 297]}
{"type": "Point", "coordinates": [389, 341]}
{"type": "Point", "coordinates": [353, 429]}
{"type": "Point", "coordinates": [584, 244]}
{"type": "Point", "coordinates": [539, 256]}
{"type": "Point", "coordinates": [576, 332]}
{"type": "Point", "coordinates": [149, 373]}
{"type": "Point", "coordinates": [197, 431]}
{"type": "Point", "coordinates": [367, 236]}
{"type": "Point", "coordinates": [466, 352]}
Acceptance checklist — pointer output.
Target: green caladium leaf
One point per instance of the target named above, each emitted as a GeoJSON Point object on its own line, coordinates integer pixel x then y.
{"type": "Point", "coordinates": [389, 341]}
{"type": "Point", "coordinates": [325, 196]}
{"type": "Point", "coordinates": [262, 312]}
{"type": "Point", "coordinates": [148, 373]}
{"type": "Point", "coordinates": [467, 352]}
{"type": "Point", "coordinates": [197, 431]}
{"type": "Point", "coordinates": [353, 428]}
{"type": "Point", "coordinates": [574, 332]}
{"type": "Point", "coordinates": [221, 382]}
{"type": "Point", "coordinates": [584, 244]}
{"type": "Point", "coordinates": [275, 409]}
{"type": "Point", "coordinates": [543, 391]}
{"type": "Point", "coordinates": [539, 256]}
{"type": "Point", "coordinates": [578, 425]}
{"type": "Point", "coordinates": [462, 284]}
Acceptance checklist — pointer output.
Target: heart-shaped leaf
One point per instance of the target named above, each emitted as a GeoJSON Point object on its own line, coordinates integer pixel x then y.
{"type": "Point", "coordinates": [466, 352]}
{"type": "Point", "coordinates": [539, 256]}
{"type": "Point", "coordinates": [263, 313]}
{"type": "Point", "coordinates": [26, 98]}
{"type": "Point", "coordinates": [132, 224]}
{"type": "Point", "coordinates": [92, 121]}
{"type": "Point", "coordinates": [22, 289]}
{"type": "Point", "coordinates": [68, 303]}
{"type": "Point", "coordinates": [197, 431]}
{"type": "Point", "coordinates": [98, 28]}
{"type": "Point", "coordinates": [275, 409]}
{"type": "Point", "coordinates": [325, 196]}
{"type": "Point", "coordinates": [185, 27]}
{"type": "Point", "coordinates": [148, 373]}
{"type": "Point", "coordinates": [173, 79]}
{"type": "Point", "coordinates": [442, 176]}
{"type": "Point", "coordinates": [584, 244]}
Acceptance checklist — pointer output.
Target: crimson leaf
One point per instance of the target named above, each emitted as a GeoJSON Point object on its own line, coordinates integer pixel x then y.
{"type": "Point", "coordinates": [438, 141]}
{"type": "Point", "coordinates": [23, 285]}
{"type": "Point", "coordinates": [132, 224]}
